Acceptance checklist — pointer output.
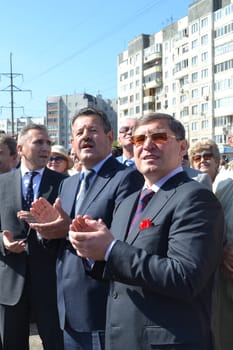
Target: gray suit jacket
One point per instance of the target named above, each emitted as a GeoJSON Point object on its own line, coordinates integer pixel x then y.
{"type": "Point", "coordinates": [13, 267]}
{"type": "Point", "coordinates": [162, 276]}
{"type": "Point", "coordinates": [82, 300]}
{"type": "Point", "coordinates": [199, 176]}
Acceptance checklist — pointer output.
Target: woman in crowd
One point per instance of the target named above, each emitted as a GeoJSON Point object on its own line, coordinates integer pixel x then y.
{"type": "Point", "coordinates": [205, 156]}
{"type": "Point", "coordinates": [59, 160]}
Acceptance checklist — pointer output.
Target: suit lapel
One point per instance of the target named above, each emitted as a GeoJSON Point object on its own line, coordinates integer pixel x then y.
{"type": "Point", "coordinates": [104, 176]}
{"type": "Point", "coordinates": [158, 201]}
{"type": "Point", "coordinates": [71, 193]}
{"type": "Point", "coordinates": [153, 208]}
{"type": "Point", "coordinates": [17, 184]}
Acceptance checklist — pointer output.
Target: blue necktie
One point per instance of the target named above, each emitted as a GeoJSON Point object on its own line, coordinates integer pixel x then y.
{"type": "Point", "coordinates": [144, 198]}
{"type": "Point", "coordinates": [85, 183]}
{"type": "Point", "coordinates": [30, 193]}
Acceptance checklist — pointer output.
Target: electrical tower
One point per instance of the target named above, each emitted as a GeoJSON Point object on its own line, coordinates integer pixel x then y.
{"type": "Point", "coordinates": [12, 88]}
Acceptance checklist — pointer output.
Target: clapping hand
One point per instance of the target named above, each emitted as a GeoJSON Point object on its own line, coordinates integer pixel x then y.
{"type": "Point", "coordinates": [90, 238]}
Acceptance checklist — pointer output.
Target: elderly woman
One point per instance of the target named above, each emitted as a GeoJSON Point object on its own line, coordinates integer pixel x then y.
{"type": "Point", "coordinates": [205, 156]}
{"type": "Point", "coordinates": [59, 160]}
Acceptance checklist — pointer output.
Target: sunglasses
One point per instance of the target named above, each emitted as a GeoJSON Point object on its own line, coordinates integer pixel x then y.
{"type": "Point", "coordinates": [158, 138]}
{"type": "Point", "coordinates": [125, 129]}
{"type": "Point", "coordinates": [56, 159]}
{"type": "Point", "coordinates": [205, 156]}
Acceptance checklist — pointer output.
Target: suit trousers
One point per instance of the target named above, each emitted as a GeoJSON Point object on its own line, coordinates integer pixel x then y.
{"type": "Point", "coordinates": [15, 321]}
{"type": "Point", "coordinates": [83, 341]}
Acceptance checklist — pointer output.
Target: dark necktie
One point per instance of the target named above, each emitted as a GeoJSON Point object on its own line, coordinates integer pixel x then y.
{"type": "Point", "coordinates": [85, 183]}
{"type": "Point", "coordinates": [30, 193]}
{"type": "Point", "coordinates": [144, 198]}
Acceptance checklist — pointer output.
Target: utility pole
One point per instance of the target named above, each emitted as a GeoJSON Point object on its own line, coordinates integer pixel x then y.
{"type": "Point", "coordinates": [12, 88]}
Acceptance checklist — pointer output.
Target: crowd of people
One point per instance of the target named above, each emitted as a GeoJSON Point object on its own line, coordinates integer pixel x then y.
{"type": "Point", "coordinates": [107, 248]}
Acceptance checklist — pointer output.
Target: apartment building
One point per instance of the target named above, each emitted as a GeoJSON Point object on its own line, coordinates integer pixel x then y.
{"type": "Point", "coordinates": [60, 110]}
{"type": "Point", "coordinates": [185, 70]}
{"type": "Point", "coordinates": [19, 124]}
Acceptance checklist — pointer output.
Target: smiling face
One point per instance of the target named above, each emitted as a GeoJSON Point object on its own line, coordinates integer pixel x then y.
{"type": "Point", "coordinates": [89, 140]}
{"type": "Point", "coordinates": [205, 162]}
{"type": "Point", "coordinates": [34, 149]}
{"type": "Point", "coordinates": [155, 160]}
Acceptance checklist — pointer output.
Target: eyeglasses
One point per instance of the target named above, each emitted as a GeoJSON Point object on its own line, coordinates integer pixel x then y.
{"type": "Point", "coordinates": [158, 138]}
{"type": "Point", "coordinates": [56, 159]}
{"type": "Point", "coordinates": [206, 156]}
{"type": "Point", "coordinates": [125, 129]}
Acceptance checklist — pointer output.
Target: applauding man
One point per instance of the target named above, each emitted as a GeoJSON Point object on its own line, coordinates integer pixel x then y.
{"type": "Point", "coordinates": [162, 251]}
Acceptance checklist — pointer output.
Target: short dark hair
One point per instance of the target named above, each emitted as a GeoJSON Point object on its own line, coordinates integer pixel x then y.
{"type": "Point", "coordinates": [175, 125]}
{"type": "Point", "coordinates": [87, 111]}
{"type": "Point", "coordinates": [10, 142]}
{"type": "Point", "coordinates": [29, 127]}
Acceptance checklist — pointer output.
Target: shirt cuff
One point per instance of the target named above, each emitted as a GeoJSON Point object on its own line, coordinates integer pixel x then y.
{"type": "Point", "coordinates": [108, 251]}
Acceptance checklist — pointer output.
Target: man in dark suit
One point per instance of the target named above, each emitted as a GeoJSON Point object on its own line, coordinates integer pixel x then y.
{"type": "Point", "coordinates": [27, 264]}
{"type": "Point", "coordinates": [82, 300]}
{"type": "Point", "coordinates": [160, 261]}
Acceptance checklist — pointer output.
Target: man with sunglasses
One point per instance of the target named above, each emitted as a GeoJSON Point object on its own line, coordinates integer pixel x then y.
{"type": "Point", "coordinates": [162, 251]}
{"type": "Point", "coordinates": [125, 133]}
{"type": "Point", "coordinates": [81, 300]}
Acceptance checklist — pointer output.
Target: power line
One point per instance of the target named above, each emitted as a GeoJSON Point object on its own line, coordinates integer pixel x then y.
{"type": "Point", "coordinates": [12, 88]}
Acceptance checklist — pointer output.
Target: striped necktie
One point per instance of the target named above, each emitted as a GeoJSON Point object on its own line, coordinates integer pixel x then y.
{"type": "Point", "coordinates": [144, 198]}
{"type": "Point", "coordinates": [85, 183]}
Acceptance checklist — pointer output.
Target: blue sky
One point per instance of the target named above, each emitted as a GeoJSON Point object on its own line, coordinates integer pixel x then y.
{"type": "Point", "coordinates": [66, 47]}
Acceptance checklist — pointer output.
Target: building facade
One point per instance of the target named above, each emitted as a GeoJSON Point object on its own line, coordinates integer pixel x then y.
{"type": "Point", "coordinates": [19, 123]}
{"type": "Point", "coordinates": [61, 109]}
{"type": "Point", "coordinates": [185, 70]}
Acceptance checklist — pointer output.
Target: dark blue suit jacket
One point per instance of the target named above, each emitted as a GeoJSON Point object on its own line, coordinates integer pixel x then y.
{"type": "Point", "coordinates": [81, 299]}
{"type": "Point", "coordinates": [162, 277]}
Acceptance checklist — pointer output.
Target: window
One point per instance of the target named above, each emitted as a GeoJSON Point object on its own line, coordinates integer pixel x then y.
{"type": "Point", "coordinates": [195, 110]}
{"type": "Point", "coordinates": [204, 22]}
{"type": "Point", "coordinates": [131, 73]}
{"type": "Point", "coordinates": [194, 126]}
{"type": "Point", "coordinates": [194, 77]}
{"type": "Point", "coordinates": [204, 56]}
{"type": "Point", "coordinates": [194, 93]}
{"type": "Point", "coordinates": [204, 39]}
{"type": "Point", "coordinates": [204, 108]}
{"type": "Point", "coordinates": [194, 43]}
{"type": "Point", "coordinates": [194, 60]}
{"type": "Point", "coordinates": [204, 73]}
{"type": "Point", "coordinates": [205, 91]}
{"type": "Point", "coordinates": [137, 109]}
{"type": "Point", "coordinates": [204, 124]}
{"type": "Point", "coordinates": [194, 28]}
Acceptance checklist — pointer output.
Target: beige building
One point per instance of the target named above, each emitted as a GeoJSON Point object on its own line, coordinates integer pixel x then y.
{"type": "Point", "coordinates": [185, 70]}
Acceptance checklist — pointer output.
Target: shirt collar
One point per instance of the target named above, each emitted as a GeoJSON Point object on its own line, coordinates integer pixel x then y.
{"type": "Point", "coordinates": [155, 187]}
{"type": "Point", "coordinates": [25, 170]}
{"type": "Point", "coordinates": [99, 165]}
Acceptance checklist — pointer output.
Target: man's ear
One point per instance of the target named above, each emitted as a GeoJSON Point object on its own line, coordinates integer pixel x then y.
{"type": "Point", "coordinates": [19, 149]}
{"type": "Point", "coordinates": [183, 147]}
